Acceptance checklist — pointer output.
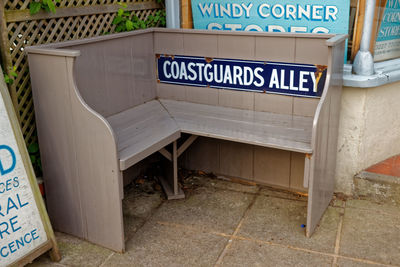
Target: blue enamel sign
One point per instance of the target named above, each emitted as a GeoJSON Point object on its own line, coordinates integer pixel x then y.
{"type": "Point", "coordinates": [257, 76]}
{"type": "Point", "coordinates": [311, 16]}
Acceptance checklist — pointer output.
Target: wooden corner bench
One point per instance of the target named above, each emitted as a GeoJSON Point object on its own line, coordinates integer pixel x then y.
{"type": "Point", "coordinates": [102, 105]}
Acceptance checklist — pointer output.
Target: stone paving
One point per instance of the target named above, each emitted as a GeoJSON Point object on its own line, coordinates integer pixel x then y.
{"type": "Point", "coordinates": [222, 223]}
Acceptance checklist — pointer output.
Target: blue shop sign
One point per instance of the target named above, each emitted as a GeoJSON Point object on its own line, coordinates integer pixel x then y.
{"type": "Point", "coordinates": [311, 16]}
{"type": "Point", "coordinates": [388, 40]}
{"type": "Point", "coordinates": [294, 79]}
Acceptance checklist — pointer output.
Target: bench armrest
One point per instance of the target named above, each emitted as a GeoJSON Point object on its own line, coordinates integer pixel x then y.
{"type": "Point", "coordinates": [80, 160]}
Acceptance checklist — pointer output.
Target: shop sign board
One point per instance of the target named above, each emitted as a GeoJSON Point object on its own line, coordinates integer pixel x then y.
{"type": "Point", "coordinates": [24, 225]}
{"type": "Point", "coordinates": [308, 16]}
{"type": "Point", "coordinates": [388, 38]}
{"type": "Point", "coordinates": [304, 80]}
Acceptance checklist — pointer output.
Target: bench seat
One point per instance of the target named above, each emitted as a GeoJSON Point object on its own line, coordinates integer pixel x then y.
{"type": "Point", "coordinates": [266, 129]}
{"type": "Point", "coordinates": [142, 130]}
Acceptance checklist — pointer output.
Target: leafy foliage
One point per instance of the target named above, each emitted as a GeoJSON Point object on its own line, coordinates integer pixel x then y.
{"type": "Point", "coordinates": [34, 154]}
{"type": "Point", "coordinates": [125, 21]}
{"type": "Point", "coordinates": [9, 78]}
{"type": "Point", "coordinates": [47, 5]}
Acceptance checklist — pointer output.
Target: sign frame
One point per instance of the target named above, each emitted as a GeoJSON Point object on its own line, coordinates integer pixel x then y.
{"type": "Point", "coordinates": [283, 78]}
{"type": "Point", "coordinates": [50, 244]}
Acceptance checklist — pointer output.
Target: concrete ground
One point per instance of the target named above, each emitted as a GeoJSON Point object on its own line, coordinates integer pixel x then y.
{"type": "Point", "coordinates": [222, 223]}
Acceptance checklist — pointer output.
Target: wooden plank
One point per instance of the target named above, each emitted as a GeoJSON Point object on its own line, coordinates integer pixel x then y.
{"type": "Point", "coordinates": [186, 144]}
{"type": "Point", "coordinates": [35, 254]}
{"type": "Point", "coordinates": [165, 153]}
{"type": "Point", "coordinates": [169, 191]}
{"type": "Point", "coordinates": [175, 166]}
{"type": "Point", "coordinates": [83, 179]}
{"type": "Point", "coordinates": [242, 125]}
{"type": "Point", "coordinates": [23, 15]}
{"type": "Point", "coordinates": [358, 26]}
{"type": "Point", "coordinates": [186, 14]}
{"type": "Point", "coordinates": [297, 171]}
{"type": "Point", "coordinates": [249, 116]}
{"type": "Point", "coordinates": [357, 34]}
{"type": "Point", "coordinates": [141, 131]}
{"type": "Point", "coordinates": [321, 181]}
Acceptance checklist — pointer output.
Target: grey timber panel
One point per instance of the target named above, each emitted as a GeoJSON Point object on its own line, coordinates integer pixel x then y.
{"type": "Point", "coordinates": [251, 127]}
{"type": "Point", "coordinates": [194, 157]}
{"type": "Point", "coordinates": [311, 51]}
{"type": "Point", "coordinates": [88, 186]}
{"type": "Point", "coordinates": [281, 104]}
{"type": "Point", "coordinates": [202, 95]}
{"type": "Point", "coordinates": [168, 43]}
{"type": "Point", "coordinates": [297, 171]}
{"type": "Point", "coordinates": [304, 106]}
{"type": "Point", "coordinates": [52, 106]}
{"type": "Point", "coordinates": [236, 99]}
{"type": "Point", "coordinates": [141, 131]}
{"type": "Point", "coordinates": [236, 160]}
{"type": "Point", "coordinates": [116, 74]}
{"type": "Point", "coordinates": [324, 140]}
{"type": "Point", "coordinates": [271, 166]}
{"type": "Point", "coordinates": [171, 91]}
{"type": "Point", "coordinates": [202, 45]}
{"type": "Point", "coordinates": [238, 47]}
{"type": "Point", "coordinates": [277, 49]}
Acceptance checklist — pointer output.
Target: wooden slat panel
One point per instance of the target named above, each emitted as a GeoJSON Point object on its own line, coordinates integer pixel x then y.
{"type": "Point", "coordinates": [236, 160]}
{"type": "Point", "coordinates": [271, 166]}
{"type": "Point", "coordinates": [297, 171]}
{"type": "Point", "coordinates": [244, 126]}
{"type": "Point", "coordinates": [321, 181]}
{"type": "Point", "coordinates": [23, 15]}
{"type": "Point", "coordinates": [116, 75]}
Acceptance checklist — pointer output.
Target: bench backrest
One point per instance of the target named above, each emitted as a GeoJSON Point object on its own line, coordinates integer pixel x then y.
{"type": "Point", "coordinates": [115, 73]}
{"type": "Point", "coordinates": [244, 46]}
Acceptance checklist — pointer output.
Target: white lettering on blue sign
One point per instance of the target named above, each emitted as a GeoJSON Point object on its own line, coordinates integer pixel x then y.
{"type": "Point", "coordinates": [271, 77]}
{"type": "Point", "coordinates": [302, 16]}
{"type": "Point", "coordinates": [257, 15]}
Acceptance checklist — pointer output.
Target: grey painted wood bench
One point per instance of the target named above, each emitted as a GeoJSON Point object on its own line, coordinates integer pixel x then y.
{"type": "Point", "coordinates": [101, 108]}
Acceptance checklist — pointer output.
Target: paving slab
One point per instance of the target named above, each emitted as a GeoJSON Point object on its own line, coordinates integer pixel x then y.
{"type": "Point", "coordinates": [249, 253]}
{"type": "Point", "coordinates": [207, 208]}
{"type": "Point", "coordinates": [281, 193]}
{"type": "Point", "coordinates": [131, 225]}
{"type": "Point", "coordinates": [221, 183]}
{"type": "Point", "coordinates": [342, 262]}
{"type": "Point", "coordinates": [137, 206]}
{"type": "Point", "coordinates": [279, 220]}
{"type": "Point", "coordinates": [141, 204]}
{"type": "Point", "coordinates": [367, 234]}
{"type": "Point", "coordinates": [160, 245]}
{"type": "Point", "coordinates": [75, 252]}
{"type": "Point", "coordinates": [387, 207]}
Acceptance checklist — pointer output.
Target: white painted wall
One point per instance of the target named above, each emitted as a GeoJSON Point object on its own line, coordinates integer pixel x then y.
{"type": "Point", "coordinates": [369, 130]}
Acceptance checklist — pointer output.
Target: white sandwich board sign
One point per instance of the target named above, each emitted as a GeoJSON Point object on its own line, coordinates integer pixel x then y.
{"type": "Point", "coordinates": [25, 230]}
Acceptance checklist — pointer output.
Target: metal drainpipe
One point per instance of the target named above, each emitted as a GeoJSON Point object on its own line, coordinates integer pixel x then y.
{"type": "Point", "coordinates": [363, 62]}
{"type": "Point", "coordinates": [173, 14]}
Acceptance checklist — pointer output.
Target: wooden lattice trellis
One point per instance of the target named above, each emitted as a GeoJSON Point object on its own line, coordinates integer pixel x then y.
{"type": "Point", "coordinates": [74, 19]}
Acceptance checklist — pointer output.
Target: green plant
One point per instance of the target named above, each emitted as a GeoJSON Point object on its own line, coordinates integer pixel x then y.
{"type": "Point", "coordinates": [47, 5]}
{"type": "Point", "coordinates": [124, 20]}
{"type": "Point", "coordinates": [8, 77]}
{"type": "Point", "coordinates": [158, 19]}
{"type": "Point", "coordinates": [34, 154]}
